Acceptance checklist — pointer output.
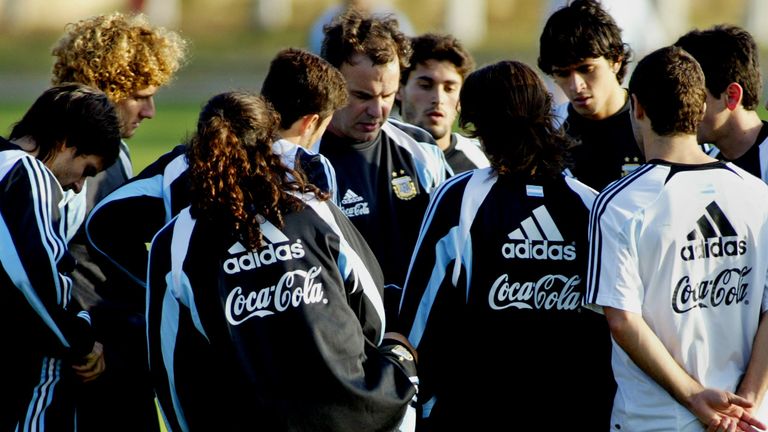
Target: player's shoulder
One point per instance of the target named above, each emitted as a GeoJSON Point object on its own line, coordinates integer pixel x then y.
{"type": "Point", "coordinates": [752, 182]}
{"type": "Point", "coordinates": [586, 193]}
{"type": "Point", "coordinates": [13, 159]}
{"type": "Point", "coordinates": [399, 128]}
{"type": "Point", "coordinates": [634, 191]}
{"type": "Point", "coordinates": [463, 142]}
{"type": "Point", "coordinates": [176, 156]}
{"type": "Point", "coordinates": [560, 114]}
{"type": "Point", "coordinates": [460, 182]}
{"type": "Point", "coordinates": [311, 155]}
{"type": "Point", "coordinates": [417, 142]}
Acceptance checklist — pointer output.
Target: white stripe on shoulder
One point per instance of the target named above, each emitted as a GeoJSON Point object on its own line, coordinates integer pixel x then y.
{"type": "Point", "coordinates": [363, 278]}
{"type": "Point", "coordinates": [172, 171]}
{"type": "Point", "coordinates": [181, 286]}
{"type": "Point", "coordinates": [474, 195]}
{"type": "Point", "coordinates": [586, 193]}
{"type": "Point", "coordinates": [429, 213]}
{"type": "Point", "coordinates": [182, 233]}
{"type": "Point", "coordinates": [472, 150]}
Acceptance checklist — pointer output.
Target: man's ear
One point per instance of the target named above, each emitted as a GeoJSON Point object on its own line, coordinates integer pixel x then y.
{"type": "Point", "coordinates": [616, 66]}
{"type": "Point", "coordinates": [733, 95]}
{"type": "Point", "coordinates": [399, 94]}
{"type": "Point", "coordinates": [308, 124]}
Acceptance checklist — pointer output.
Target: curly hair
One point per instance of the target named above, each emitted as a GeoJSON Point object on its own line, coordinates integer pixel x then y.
{"type": "Point", "coordinates": [440, 47]}
{"type": "Point", "coordinates": [355, 32]}
{"type": "Point", "coordinates": [235, 178]}
{"type": "Point", "coordinates": [578, 31]}
{"type": "Point", "coordinates": [508, 107]}
{"type": "Point", "coordinates": [117, 54]}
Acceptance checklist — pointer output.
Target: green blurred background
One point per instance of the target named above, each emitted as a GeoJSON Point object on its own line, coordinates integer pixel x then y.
{"type": "Point", "coordinates": [231, 47]}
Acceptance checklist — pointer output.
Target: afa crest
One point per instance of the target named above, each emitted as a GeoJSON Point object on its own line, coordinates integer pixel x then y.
{"type": "Point", "coordinates": [403, 185]}
{"type": "Point", "coordinates": [629, 165]}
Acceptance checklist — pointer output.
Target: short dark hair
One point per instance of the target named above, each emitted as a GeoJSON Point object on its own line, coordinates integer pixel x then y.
{"type": "Point", "coordinates": [378, 38]}
{"type": "Point", "coordinates": [578, 31]}
{"type": "Point", "coordinates": [300, 83]}
{"type": "Point", "coordinates": [72, 115]}
{"type": "Point", "coordinates": [727, 54]}
{"type": "Point", "coordinates": [440, 47]}
{"type": "Point", "coordinates": [669, 84]}
{"type": "Point", "coordinates": [508, 107]}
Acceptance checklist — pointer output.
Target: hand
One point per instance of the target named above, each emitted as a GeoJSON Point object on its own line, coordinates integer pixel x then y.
{"type": "Point", "coordinates": [728, 424]}
{"type": "Point", "coordinates": [723, 411]}
{"type": "Point", "coordinates": [92, 365]}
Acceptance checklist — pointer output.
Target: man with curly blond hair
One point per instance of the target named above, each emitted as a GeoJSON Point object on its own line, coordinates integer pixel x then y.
{"type": "Point", "coordinates": [129, 59]}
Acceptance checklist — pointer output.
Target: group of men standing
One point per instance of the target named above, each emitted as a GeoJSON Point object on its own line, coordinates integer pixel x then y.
{"type": "Point", "coordinates": [644, 227]}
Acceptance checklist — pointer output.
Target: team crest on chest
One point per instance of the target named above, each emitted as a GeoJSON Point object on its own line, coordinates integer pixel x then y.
{"type": "Point", "coordinates": [630, 164]}
{"type": "Point", "coordinates": [403, 185]}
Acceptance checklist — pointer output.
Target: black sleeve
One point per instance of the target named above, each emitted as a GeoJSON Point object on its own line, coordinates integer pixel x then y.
{"type": "Point", "coordinates": [35, 261]}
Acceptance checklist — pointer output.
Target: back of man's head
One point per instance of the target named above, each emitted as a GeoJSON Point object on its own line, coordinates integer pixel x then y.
{"type": "Point", "coordinates": [73, 115]}
{"type": "Point", "coordinates": [117, 54]}
{"type": "Point", "coordinates": [727, 54]}
{"type": "Point", "coordinates": [300, 83]}
{"type": "Point", "coordinates": [669, 84]}
{"type": "Point", "coordinates": [440, 47]}
{"type": "Point", "coordinates": [354, 32]}
{"type": "Point", "coordinates": [578, 31]}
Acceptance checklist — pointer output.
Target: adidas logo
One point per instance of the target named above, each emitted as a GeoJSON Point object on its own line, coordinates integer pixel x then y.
{"type": "Point", "coordinates": [351, 197]}
{"type": "Point", "coordinates": [353, 205]}
{"type": "Point", "coordinates": [714, 236]}
{"type": "Point", "coordinates": [267, 254]}
{"type": "Point", "coordinates": [538, 238]}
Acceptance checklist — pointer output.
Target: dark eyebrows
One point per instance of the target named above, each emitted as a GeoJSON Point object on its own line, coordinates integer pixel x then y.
{"type": "Point", "coordinates": [425, 78]}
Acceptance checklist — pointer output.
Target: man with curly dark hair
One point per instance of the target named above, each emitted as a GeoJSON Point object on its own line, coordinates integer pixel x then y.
{"type": "Point", "coordinates": [582, 50]}
{"type": "Point", "coordinates": [129, 59]}
{"type": "Point", "coordinates": [385, 169]}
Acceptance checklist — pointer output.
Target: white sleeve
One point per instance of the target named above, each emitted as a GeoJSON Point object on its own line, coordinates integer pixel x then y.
{"type": "Point", "coordinates": [613, 277]}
